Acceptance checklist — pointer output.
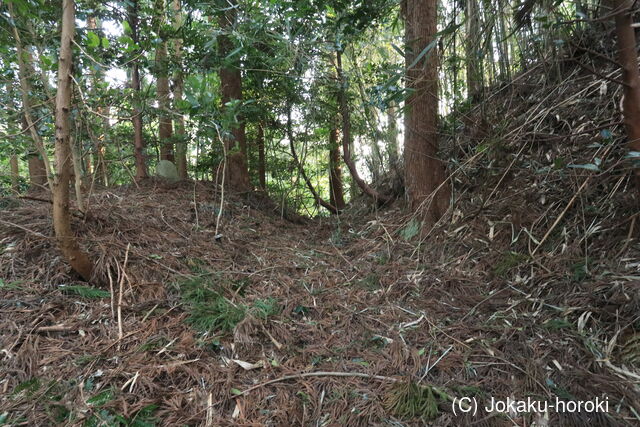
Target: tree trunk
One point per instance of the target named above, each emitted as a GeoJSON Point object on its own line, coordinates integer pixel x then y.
{"type": "Point", "coordinates": [15, 173]}
{"type": "Point", "coordinates": [136, 121]}
{"type": "Point", "coordinates": [165, 127]}
{"type": "Point", "coordinates": [376, 160]}
{"type": "Point", "coordinates": [37, 170]}
{"type": "Point", "coordinates": [502, 42]}
{"type": "Point", "coordinates": [630, 75]}
{"type": "Point", "coordinates": [100, 161]}
{"type": "Point", "coordinates": [472, 46]}
{"type": "Point", "coordinates": [319, 200]}
{"type": "Point", "coordinates": [231, 88]}
{"type": "Point", "coordinates": [346, 136]}
{"type": "Point", "coordinates": [98, 140]}
{"type": "Point", "coordinates": [76, 158]}
{"type": "Point", "coordinates": [77, 258]}
{"type": "Point", "coordinates": [25, 89]}
{"type": "Point", "coordinates": [335, 172]}
{"type": "Point", "coordinates": [262, 165]}
{"type": "Point", "coordinates": [178, 89]}
{"type": "Point", "coordinates": [424, 172]}
{"type": "Point", "coordinates": [392, 138]}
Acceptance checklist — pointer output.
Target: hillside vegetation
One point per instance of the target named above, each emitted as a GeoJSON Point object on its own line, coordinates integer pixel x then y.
{"type": "Point", "coordinates": [228, 311]}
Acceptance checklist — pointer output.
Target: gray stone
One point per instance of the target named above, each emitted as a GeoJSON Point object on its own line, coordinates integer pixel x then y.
{"type": "Point", "coordinates": [167, 170]}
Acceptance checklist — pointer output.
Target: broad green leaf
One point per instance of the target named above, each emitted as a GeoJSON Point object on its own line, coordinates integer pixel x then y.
{"type": "Point", "coordinates": [93, 40]}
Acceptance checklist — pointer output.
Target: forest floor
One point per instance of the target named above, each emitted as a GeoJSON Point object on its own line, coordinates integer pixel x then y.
{"type": "Point", "coordinates": [528, 288]}
{"type": "Point", "coordinates": [338, 321]}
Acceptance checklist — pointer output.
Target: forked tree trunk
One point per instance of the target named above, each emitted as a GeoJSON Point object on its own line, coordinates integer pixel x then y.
{"type": "Point", "coordinates": [231, 88]}
{"type": "Point", "coordinates": [346, 136]}
{"type": "Point", "coordinates": [178, 89]}
{"type": "Point", "coordinates": [77, 258]}
{"type": "Point", "coordinates": [424, 172]}
{"type": "Point", "coordinates": [136, 121]}
{"type": "Point", "coordinates": [165, 127]}
{"type": "Point", "coordinates": [630, 75]}
{"type": "Point", "coordinates": [335, 173]}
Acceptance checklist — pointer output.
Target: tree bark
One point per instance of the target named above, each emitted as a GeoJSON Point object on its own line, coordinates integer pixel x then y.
{"type": "Point", "coordinates": [25, 89]}
{"type": "Point", "coordinates": [262, 165]}
{"type": "Point", "coordinates": [178, 89]}
{"type": "Point", "coordinates": [346, 136]}
{"type": "Point", "coordinates": [98, 140]}
{"type": "Point", "coordinates": [37, 170]}
{"type": "Point", "coordinates": [74, 254]}
{"type": "Point", "coordinates": [335, 173]}
{"type": "Point", "coordinates": [424, 172]}
{"type": "Point", "coordinates": [630, 75]}
{"type": "Point", "coordinates": [392, 137]}
{"type": "Point", "coordinates": [472, 46]}
{"type": "Point", "coordinates": [15, 173]}
{"type": "Point", "coordinates": [136, 121]}
{"type": "Point", "coordinates": [76, 159]}
{"type": "Point", "coordinates": [231, 88]}
{"type": "Point", "coordinates": [165, 127]}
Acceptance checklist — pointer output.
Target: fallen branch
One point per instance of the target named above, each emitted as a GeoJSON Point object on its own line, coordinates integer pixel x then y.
{"type": "Point", "coordinates": [315, 374]}
{"type": "Point", "coordinates": [55, 328]}
{"type": "Point", "coordinates": [335, 374]}
{"type": "Point", "coordinates": [11, 224]}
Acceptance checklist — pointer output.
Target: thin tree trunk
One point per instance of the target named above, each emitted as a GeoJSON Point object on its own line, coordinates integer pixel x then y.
{"type": "Point", "coordinates": [346, 136]}
{"type": "Point", "coordinates": [37, 170]}
{"type": "Point", "coordinates": [262, 165]}
{"type": "Point", "coordinates": [319, 200]}
{"type": "Point", "coordinates": [376, 159]}
{"type": "Point", "coordinates": [165, 127]}
{"type": "Point", "coordinates": [472, 46]}
{"type": "Point", "coordinates": [77, 173]}
{"type": "Point", "coordinates": [25, 89]}
{"type": "Point", "coordinates": [136, 121]}
{"type": "Point", "coordinates": [15, 172]}
{"type": "Point", "coordinates": [99, 140]}
{"type": "Point", "coordinates": [392, 136]}
{"type": "Point", "coordinates": [106, 126]}
{"type": "Point", "coordinates": [231, 88]}
{"type": "Point", "coordinates": [77, 258]}
{"type": "Point", "coordinates": [630, 75]}
{"type": "Point", "coordinates": [178, 89]}
{"type": "Point", "coordinates": [502, 41]}
{"type": "Point", "coordinates": [424, 172]}
{"type": "Point", "coordinates": [335, 173]}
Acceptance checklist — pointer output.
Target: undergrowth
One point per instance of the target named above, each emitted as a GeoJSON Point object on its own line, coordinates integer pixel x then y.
{"type": "Point", "coordinates": [411, 400]}
{"type": "Point", "coordinates": [210, 311]}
